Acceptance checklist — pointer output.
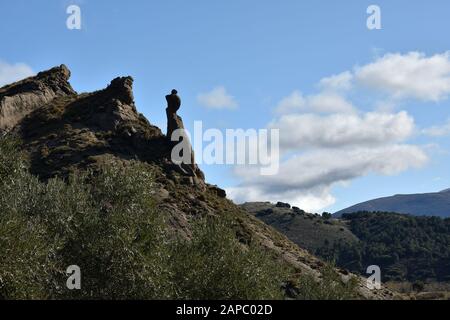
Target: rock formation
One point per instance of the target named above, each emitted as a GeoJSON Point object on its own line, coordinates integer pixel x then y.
{"type": "Point", "coordinates": [174, 123]}
{"type": "Point", "coordinates": [21, 98]}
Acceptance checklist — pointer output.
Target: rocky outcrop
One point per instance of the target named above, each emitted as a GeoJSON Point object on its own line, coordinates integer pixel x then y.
{"type": "Point", "coordinates": [65, 131]}
{"type": "Point", "coordinates": [174, 123]}
{"type": "Point", "coordinates": [21, 98]}
{"type": "Point", "coordinates": [108, 109]}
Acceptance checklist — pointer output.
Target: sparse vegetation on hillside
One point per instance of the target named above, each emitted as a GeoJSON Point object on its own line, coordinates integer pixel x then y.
{"type": "Point", "coordinates": [106, 223]}
{"type": "Point", "coordinates": [329, 288]}
{"type": "Point", "coordinates": [407, 248]}
{"type": "Point", "coordinates": [215, 266]}
{"type": "Point", "coordinates": [307, 230]}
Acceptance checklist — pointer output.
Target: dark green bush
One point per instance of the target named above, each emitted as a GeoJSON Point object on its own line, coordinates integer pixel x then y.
{"type": "Point", "coordinates": [112, 233]}
{"type": "Point", "coordinates": [11, 160]}
{"type": "Point", "coordinates": [407, 248]}
{"type": "Point", "coordinates": [331, 286]}
{"type": "Point", "coordinates": [106, 223]}
{"type": "Point", "coordinates": [214, 265]}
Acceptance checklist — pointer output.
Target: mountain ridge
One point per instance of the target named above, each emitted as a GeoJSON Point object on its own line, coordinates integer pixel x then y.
{"type": "Point", "coordinates": [426, 204]}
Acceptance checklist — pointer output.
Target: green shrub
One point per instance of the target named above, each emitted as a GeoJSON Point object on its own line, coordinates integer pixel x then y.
{"type": "Point", "coordinates": [110, 229]}
{"type": "Point", "coordinates": [331, 286]}
{"type": "Point", "coordinates": [11, 161]}
{"type": "Point", "coordinates": [214, 265]}
{"type": "Point", "coordinates": [106, 222]}
{"type": "Point", "coordinates": [23, 258]}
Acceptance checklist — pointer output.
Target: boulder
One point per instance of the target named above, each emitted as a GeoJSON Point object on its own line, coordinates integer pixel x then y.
{"type": "Point", "coordinates": [220, 192]}
{"type": "Point", "coordinates": [283, 205]}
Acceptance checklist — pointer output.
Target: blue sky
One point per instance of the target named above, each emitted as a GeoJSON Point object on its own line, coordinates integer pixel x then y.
{"type": "Point", "coordinates": [263, 53]}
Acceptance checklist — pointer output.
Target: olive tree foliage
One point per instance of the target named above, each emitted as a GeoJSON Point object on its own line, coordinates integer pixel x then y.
{"type": "Point", "coordinates": [106, 222]}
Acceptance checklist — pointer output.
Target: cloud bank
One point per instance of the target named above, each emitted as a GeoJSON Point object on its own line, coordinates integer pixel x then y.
{"type": "Point", "coordinates": [325, 140]}
{"type": "Point", "coordinates": [13, 72]}
{"type": "Point", "coordinates": [412, 75]}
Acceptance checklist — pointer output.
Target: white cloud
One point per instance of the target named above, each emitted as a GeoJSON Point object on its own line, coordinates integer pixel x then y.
{"type": "Point", "coordinates": [306, 180]}
{"type": "Point", "coordinates": [329, 103]}
{"type": "Point", "coordinates": [10, 73]}
{"type": "Point", "coordinates": [386, 106]}
{"type": "Point", "coordinates": [218, 98]}
{"type": "Point", "coordinates": [294, 102]}
{"type": "Point", "coordinates": [309, 200]}
{"type": "Point", "coordinates": [326, 141]}
{"type": "Point", "coordinates": [325, 167]}
{"type": "Point", "coordinates": [298, 131]}
{"type": "Point", "coordinates": [412, 75]}
{"type": "Point", "coordinates": [324, 102]}
{"type": "Point", "coordinates": [342, 81]}
{"type": "Point", "coordinates": [438, 131]}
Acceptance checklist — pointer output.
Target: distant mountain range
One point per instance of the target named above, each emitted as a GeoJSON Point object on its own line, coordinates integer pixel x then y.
{"type": "Point", "coordinates": [425, 204]}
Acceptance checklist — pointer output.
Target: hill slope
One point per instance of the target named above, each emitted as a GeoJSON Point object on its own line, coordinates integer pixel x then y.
{"type": "Point", "coordinates": [407, 248]}
{"type": "Point", "coordinates": [64, 132]}
{"type": "Point", "coordinates": [427, 204]}
{"type": "Point", "coordinates": [307, 230]}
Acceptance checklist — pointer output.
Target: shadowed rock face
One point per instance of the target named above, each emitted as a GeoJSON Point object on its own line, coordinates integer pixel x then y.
{"type": "Point", "coordinates": [21, 98]}
{"type": "Point", "coordinates": [174, 123]}
{"type": "Point", "coordinates": [64, 131]}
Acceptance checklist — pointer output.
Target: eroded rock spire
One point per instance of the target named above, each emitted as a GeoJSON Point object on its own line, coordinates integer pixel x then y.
{"type": "Point", "coordinates": [174, 123]}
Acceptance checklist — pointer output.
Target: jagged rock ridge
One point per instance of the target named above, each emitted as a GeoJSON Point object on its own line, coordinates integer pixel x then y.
{"type": "Point", "coordinates": [64, 130]}
{"type": "Point", "coordinates": [21, 98]}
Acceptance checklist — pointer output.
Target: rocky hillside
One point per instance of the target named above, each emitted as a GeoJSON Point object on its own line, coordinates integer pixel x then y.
{"type": "Point", "coordinates": [307, 230]}
{"type": "Point", "coordinates": [426, 204]}
{"type": "Point", "coordinates": [407, 248]}
{"type": "Point", "coordinates": [63, 131]}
